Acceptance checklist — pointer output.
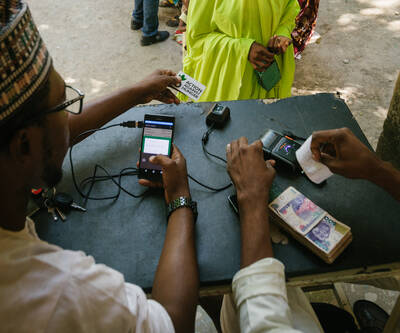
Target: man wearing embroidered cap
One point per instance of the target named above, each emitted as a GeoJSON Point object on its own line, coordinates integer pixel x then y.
{"type": "Point", "coordinates": [46, 288]}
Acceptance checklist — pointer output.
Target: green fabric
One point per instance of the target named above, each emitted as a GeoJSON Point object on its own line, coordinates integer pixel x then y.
{"type": "Point", "coordinates": [219, 37]}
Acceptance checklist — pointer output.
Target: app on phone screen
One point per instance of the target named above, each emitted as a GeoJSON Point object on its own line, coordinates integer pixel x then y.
{"type": "Point", "coordinates": [287, 148]}
{"type": "Point", "coordinates": [157, 140]}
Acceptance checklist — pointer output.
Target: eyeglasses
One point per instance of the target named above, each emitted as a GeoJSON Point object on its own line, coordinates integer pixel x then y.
{"type": "Point", "coordinates": [71, 105]}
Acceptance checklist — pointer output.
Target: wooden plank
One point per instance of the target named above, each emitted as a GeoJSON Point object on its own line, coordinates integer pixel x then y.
{"type": "Point", "coordinates": [343, 300]}
{"type": "Point", "coordinates": [320, 281]}
{"type": "Point", "coordinates": [393, 324]}
{"type": "Point", "coordinates": [215, 290]}
{"type": "Point", "coordinates": [353, 276]}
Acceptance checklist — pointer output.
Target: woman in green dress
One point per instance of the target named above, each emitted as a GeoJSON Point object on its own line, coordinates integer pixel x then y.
{"type": "Point", "coordinates": [228, 39]}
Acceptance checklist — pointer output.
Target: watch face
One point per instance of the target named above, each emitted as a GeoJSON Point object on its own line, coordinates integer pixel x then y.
{"type": "Point", "coordinates": [286, 148]}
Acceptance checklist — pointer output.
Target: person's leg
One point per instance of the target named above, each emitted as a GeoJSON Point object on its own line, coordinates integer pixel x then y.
{"type": "Point", "coordinates": [137, 13]}
{"type": "Point", "coordinates": [151, 35]}
{"type": "Point", "coordinates": [150, 18]}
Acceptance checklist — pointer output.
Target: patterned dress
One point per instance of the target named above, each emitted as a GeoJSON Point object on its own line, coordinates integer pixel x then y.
{"type": "Point", "coordinates": [305, 23]}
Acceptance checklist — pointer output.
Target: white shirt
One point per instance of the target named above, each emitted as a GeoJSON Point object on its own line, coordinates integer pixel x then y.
{"type": "Point", "coordinates": [261, 303]}
{"type": "Point", "coordinates": [44, 288]}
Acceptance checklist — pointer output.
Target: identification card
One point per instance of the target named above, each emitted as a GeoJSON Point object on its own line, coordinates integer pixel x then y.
{"type": "Point", "coordinates": [190, 87]}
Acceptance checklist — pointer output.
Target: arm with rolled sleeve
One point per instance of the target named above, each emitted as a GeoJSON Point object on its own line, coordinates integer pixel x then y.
{"type": "Point", "coordinates": [259, 293]}
{"type": "Point", "coordinates": [259, 289]}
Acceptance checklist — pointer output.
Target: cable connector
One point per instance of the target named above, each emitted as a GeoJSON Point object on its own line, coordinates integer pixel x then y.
{"type": "Point", "coordinates": [205, 137]}
{"type": "Point", "coordinates": [132, 124]}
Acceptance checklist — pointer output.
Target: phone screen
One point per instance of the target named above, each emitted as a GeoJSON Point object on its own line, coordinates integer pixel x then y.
{"type": "Point", "coordinates": [287, 149]}
{"type": "Point", "coordinates": [157, 138]}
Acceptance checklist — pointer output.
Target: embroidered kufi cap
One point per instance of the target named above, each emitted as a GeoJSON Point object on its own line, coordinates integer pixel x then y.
{"type": "Point", "coordinates": [24, 59]}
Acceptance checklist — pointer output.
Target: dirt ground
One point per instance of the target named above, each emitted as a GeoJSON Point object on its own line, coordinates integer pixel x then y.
{"type": "Point", "coordinates": [358, 54]}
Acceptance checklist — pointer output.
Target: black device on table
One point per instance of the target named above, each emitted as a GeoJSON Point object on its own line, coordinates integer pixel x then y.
{"type": "Point", "coordinates": [281, 148]}
{"type": "Point", "coordinates": [274, 192]}
{"type": "Point", "coordinates": [218, 116]}
{"type": "Point", "coordinates": [157, 136]}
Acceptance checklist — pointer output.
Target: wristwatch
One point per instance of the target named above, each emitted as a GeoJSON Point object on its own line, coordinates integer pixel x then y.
{"type": "Point", "coordinates": [183, 202]}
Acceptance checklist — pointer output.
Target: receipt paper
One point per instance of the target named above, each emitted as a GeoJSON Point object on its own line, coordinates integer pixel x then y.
{"type": "Point", "coordinates": [316, 171]}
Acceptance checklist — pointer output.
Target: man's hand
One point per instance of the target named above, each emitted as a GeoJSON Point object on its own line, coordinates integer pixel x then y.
{"type": "Point", "coordinates": [259, 57]}
{"type": "Point", "coordinates": [344, 154]}
{"type": "Point", "coordinates": [249, 172]}
{"type": "Point", "coordinates": [253, 178]}
{"type": "Point", "coordinates": [279, 44]}
{"type": "Point", "coordinates": [174, 175]}
{"type": "Point", "coordinates": [176, 281]}
{"type": "Point", "coordinates": [155, 87]}
{"type": "Point", "coordinates": [100, 111]}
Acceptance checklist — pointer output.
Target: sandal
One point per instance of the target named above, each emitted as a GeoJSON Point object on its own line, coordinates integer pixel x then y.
{"type": "Point", "coordinates": [178, 37]}
{"type": "Point", "coordinates": [173, 22]}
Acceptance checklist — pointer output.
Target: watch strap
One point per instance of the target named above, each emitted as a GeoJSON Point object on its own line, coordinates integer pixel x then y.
{"type": "Point", "coordinates": [181, 202]}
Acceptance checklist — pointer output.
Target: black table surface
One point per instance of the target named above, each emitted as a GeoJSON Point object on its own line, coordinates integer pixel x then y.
{"type": "Point", "coordinates": [128, 234]}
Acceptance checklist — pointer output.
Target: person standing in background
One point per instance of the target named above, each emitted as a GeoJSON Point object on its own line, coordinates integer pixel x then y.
{"type": "Point", "coordinates": [227, 40]}
{"type": "Point", "coordinates": [145, 17]}
{"type": "Point", "coordinates": [305, 24]}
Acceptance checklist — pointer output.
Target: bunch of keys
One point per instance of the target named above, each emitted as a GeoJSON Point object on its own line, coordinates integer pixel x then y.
{"type": "Point", "coordinates": [60, 203]}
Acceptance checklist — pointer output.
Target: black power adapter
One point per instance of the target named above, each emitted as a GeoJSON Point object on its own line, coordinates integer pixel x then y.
{"type": "Point", "coordinates": [218, 116]}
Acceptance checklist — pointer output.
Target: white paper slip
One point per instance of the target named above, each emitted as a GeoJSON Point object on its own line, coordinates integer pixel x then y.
{"type": "Point", "coordinates": [316, 171]}
{"type": "Point", "coordinates": [190, 87]}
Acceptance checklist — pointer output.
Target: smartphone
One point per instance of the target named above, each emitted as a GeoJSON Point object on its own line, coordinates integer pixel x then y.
{"type": "Point", "coordinates": [157, 136]}
{"type": "Point", "coordinates": [234, 204]}
{"type": "Point", "coordinates": [274, 192]}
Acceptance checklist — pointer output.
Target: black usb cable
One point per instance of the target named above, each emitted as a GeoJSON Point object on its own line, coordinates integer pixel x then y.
{"type": "Point", "coordinates": [117, 178]}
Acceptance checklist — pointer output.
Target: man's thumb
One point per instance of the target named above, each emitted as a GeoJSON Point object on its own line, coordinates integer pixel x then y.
{"type": "Point", "coordinates": [172, 80]}
{"type": "Point", "coordinates": [160, 160]}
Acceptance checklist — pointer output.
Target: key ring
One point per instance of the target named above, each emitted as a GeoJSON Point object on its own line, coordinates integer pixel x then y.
{"type": "Point", "coordinates": [50, 209]}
